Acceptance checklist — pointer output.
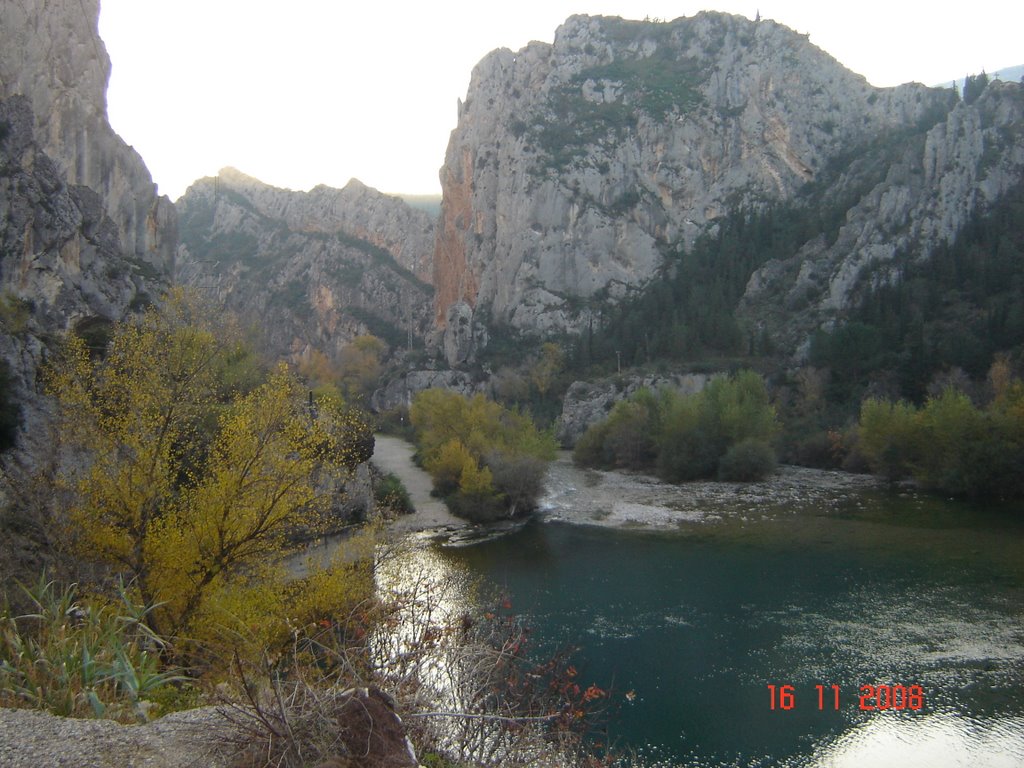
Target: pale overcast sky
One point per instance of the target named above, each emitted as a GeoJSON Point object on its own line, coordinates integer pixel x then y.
{"type": "Point", "coordinates": [305, 92]}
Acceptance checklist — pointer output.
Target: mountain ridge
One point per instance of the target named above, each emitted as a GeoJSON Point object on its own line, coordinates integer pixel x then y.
{"type": "Point", "coordinates": [578, 167]}
{"type": "Point", "coordinates": [316, 268]}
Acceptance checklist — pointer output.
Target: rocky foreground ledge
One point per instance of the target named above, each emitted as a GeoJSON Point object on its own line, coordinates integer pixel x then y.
{"type": "Point", "coordinates": [363, 726]}
{"type": "Point", "coordinates": [31, 739]}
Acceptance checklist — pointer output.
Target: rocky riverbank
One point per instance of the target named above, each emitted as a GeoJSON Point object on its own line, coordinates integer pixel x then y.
{"type": "Point", "coordinates": [630, 500]}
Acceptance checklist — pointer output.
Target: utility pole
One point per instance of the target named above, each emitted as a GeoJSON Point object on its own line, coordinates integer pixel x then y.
{"type": "Point", "coordinates": [618, 360]}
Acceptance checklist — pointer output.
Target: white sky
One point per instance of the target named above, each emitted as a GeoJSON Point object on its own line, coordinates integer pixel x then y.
{"type": "Point", "coordinates": [304, 92]}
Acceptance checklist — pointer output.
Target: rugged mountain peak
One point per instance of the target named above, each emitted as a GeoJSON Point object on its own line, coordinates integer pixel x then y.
{"type": "Point", "coordinates": [51, 53]}
{"type": "Point", "coordinates": [575, 165]}
{"type": "Point", "coordinates": [356, 210]}
{"type": "Point", "coordinates": [314, 269]}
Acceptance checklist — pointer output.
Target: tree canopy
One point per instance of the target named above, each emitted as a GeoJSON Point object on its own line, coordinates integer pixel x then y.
{"type": "Point", "coordinates": [190, 468]}
{"type": "Point", "coordinates": [486, 460]}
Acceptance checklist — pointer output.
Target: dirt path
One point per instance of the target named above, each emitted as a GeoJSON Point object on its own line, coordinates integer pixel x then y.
{"type": "Point", "coordinates": [392, 454]}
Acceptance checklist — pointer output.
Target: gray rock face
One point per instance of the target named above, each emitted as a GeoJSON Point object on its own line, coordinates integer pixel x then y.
{"type": "Point", "coordinates": [399, 392]}
{"type": "Point", "coordinates": [961, 166]}
{"type": "Point", "coordinates": [357, 210]}
{"type": "Point", "coordinates": [575, 165]}
{"type": "Point", "coordinates": [61, 263]}
{"type": "Point", "coordinates": [51, 52]}
{"type": "Point", "coordinates": [84, 239]}
{"type": "Point", "coordinates": [312, 269]}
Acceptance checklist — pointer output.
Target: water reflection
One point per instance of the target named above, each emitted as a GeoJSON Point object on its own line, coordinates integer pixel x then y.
{"type": "Point", "coordinates": [930, 741]}
{"type": "Point", "coordinates": [699, 624]}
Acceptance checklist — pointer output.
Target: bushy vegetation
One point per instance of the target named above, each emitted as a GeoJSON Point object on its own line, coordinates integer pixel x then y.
{"type": "Point", "coordinates": [390, 492]}
{"type": "Point", "coordinates": [949, 444]}
{"type": "Point", "coordinates": [725, 431]}
{"type": "Point", "coordinates": [187, 469]}
{"type": "Point", "coordinates": [82, 657]}
{"type": "Point", "coordinates": [486, 461]}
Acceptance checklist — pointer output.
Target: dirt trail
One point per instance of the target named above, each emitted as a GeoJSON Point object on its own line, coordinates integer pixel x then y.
{"type": "Point", "coordinates": [392, 454]}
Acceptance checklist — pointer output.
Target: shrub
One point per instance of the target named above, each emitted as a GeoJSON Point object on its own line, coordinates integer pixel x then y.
{"type": "Point", "coordinates": [590, 448]}
{"type": "Point", "coordinates": [631, 431]}
{"type": "Point", "coordinates": [950, 445]}
{"type": "Point", "coordinates": [463, 442]}
{"type": "Point", "coordinates": [889, 437]}
{"type": "Point", "coordinates": [750, 459]}
{"type": "Point", "coordinates": [682, 437]}
{"type": "Point", "coordinates": [520, 479]}
{"type": "Point", "coordinates": [392, 494]}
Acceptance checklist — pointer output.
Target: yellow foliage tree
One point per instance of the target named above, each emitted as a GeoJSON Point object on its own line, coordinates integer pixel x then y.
{"type": "Point", "coordinates": [486, 460]}
{"type": "Point", "coordinates": [190, 489]}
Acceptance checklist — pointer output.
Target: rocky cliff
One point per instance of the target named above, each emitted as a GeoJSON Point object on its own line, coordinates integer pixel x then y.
{"type": "Point", "coordinates": [576, 166]}
{"type": "Point", "coordinates": [61, 262]}
{"type": "Point", "coordinates": [51, 53]}
{"type": "Point", "coordinates": [313, 269]}
{"type": "Point", "coordinates": [84, 238]}
{"type": "Point", "coordinates": [921, 189]}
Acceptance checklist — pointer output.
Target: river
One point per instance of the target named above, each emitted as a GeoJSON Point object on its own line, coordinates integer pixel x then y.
{"type": "Point", "coordinates": [743, 620]}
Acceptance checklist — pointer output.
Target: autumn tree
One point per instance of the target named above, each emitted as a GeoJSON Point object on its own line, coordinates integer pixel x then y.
{"type": "Point", "coordinates": [486, 460]}
{"type": "Point", "coordinates": [360, 367]}
{"type": "Point", "coordinates": [185, 482]}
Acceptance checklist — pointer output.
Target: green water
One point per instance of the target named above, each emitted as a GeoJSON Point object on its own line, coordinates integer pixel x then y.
{"type": "Point", "coordinates": [698, 623]}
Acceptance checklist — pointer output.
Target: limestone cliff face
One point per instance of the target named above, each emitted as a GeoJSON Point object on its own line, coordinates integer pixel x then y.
{"type": "Point", "coordinates": [313, 269]}
{"type": "Point", "coordinates": [575, 165]}
{"type": "Point", "coordinates": [51, 53]}
{"type": "Point", "coordinates": [84, 239]}
{"type": "Point", "coordinates": [61, 263]}
{"type": "Point", "coordinates": [921, 198]}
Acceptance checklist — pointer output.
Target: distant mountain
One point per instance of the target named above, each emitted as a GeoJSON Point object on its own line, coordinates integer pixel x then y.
{"type": "Point", "coordinates": [1009, 75]}
{"type": "Point", "coordinates": [430, 204]}
{"type": "Point", "coordinates": [313, 269]}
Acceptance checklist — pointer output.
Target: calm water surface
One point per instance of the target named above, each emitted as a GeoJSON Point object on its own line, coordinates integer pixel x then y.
{"type": "Point", "coordinates": [888, 590]}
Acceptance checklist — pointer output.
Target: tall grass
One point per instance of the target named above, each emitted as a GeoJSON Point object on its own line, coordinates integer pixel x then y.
{"type": "Point", "coordinates": [81, 658]}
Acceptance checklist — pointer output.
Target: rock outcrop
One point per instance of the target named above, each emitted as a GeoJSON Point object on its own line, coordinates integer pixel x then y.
{"type": "Point", "coordinates": [61, 262]}
{"type": "Point", "coordinates": [312, 269]}
{"type": "Point", "coordinates": [576, 166]}
{"type": "Point", "coordinates": [51, 53]}
{"type": "Point", "coordinates": [84, 238]}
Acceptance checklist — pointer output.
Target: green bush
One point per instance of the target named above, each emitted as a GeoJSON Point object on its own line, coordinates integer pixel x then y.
{"type": "Point", "coordinates": [748, 460]}
{"type": "Point", "coordinates": [392, 494]}
{"type": "Point", "coordinates": [590, 450]}
{"type": "Point", "coordinates": [683, 437]}
{"type": "Point", "coordinates": [949, 444]}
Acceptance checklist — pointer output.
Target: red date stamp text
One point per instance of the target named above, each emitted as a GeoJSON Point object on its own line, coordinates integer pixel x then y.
{"type": "Point", "coordinates": [876, 698]}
